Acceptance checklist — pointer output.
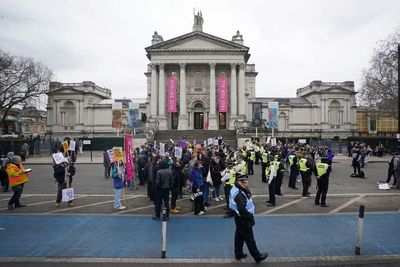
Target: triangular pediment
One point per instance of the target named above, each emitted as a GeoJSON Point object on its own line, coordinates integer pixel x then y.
{"type": "Point", "coordinates": [65, 90]}
{"type": "Point", "coordinates": [197, 41]}
{"type": "Point", "coordinates": [338, 89]}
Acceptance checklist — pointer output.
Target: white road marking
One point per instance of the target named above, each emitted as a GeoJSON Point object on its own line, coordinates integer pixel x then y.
{"type": "Point", "coordinates": [144, 207]}
{"type": "Point", "coordinates": [348, 203]}
{"type": "Point", "coordinates": [40, 203]}
{"type": "Point", "coordinates": [281, 207]}
{"type": "Point", "coordinates": [90, 205]}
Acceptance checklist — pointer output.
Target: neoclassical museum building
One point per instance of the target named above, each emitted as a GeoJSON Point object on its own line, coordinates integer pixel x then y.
{"type": "Point", "coordinates": [198, 81]}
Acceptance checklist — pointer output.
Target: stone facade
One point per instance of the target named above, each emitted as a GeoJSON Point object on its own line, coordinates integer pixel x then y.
{"type": "Point", "coordinates": [83, 109]}
{"type": "Point", "coordinates": [197, 59]}
{"type": "Point", "coordinates": [320, 110]}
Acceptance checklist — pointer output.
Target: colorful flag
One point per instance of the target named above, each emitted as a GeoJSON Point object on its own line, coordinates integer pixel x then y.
{"type": "Point", "coordinates": [171, 94]}
{"type": "Point", "coordinates": [223, 94]}
{"type": "Point", "coordinates": [133, 115]}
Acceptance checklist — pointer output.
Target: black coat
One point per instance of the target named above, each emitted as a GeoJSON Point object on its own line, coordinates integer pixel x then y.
{"type": "Point", "coordinates": [246, 219]}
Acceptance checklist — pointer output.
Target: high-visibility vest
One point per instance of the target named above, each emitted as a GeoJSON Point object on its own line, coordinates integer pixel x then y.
{"type": "Point", "coordinates": [252, 155]}
{"type": "Point", "coordinates": [16, 175]}
{"type": "Point", "coordinates": [291, 157]}
{"type": "Point", "coordinates": [262, 150]}
{"type": "Point", "coordinates": [303, 166]}
{"type": "Point", "coordinates": [256, 148]}
{"type": "Point", "coordinates": [244, 153]}
{"type": "Point", "coordinates": [264, 158]}
{"type": "Point", "coordinates": [243, 171]}
{"type": "Point", "coordinates": [322, 168]}
{"type": "Point", "coordinates": [276, 167]}
{"type": "Point", "coordinates": [232, 178]}
{"type": "Point", "coordinates": [232, 204]}
{"type": "Point", "coordinates": [267, 170]}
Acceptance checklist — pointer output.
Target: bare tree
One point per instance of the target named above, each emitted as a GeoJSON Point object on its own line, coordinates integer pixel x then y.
{"type": "Point", "coordinates": [380, 80]}
{"type": "Point", "coordinates": [22, 81]}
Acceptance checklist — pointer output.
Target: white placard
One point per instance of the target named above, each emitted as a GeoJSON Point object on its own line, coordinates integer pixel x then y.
{"type": "Point", "coordinates": [67, 194]}
{"type": "Point", "coordinates": [72, 145]}
{"type": "Point", "coordinates": [216, 142]}
{"type": "Point", "coordinates": [162, 149]}
{"type": "Point", "coordinates": [178, 152]}
{"type": "Point", "coordinates": [210, 141]}
{"type": "Point", "coordinates": [302, 141]}
{"type": "Point", "coordinates": [87, 142]}
{"type": "Point", "coordinates": [58, 157]}
{"type": "Point", "coordinates": [273, 141]}
{"type": "Point", "coordinates": [384, 186]}
{"type": "Point", "coordinates": [268, 139]}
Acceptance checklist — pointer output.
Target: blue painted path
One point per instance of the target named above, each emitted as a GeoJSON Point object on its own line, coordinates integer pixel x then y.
{"type": "Point", "coordinates": [193, 237]}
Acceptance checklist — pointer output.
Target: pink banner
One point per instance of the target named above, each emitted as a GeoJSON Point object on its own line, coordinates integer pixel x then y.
{"type": "Point", "coordinates": [222, 94]}
{"type": "Point", "coordinates": [129, 157]}
{"type": "Point", "coordinates": [171, 94]}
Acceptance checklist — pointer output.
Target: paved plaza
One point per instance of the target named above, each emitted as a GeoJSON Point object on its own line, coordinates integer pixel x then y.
{"type": "Point", "coordinates": [295, 230]}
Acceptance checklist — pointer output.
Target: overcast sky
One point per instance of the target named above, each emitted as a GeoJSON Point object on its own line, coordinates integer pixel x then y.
{"type": "Point", "coordinates": [291, 42]}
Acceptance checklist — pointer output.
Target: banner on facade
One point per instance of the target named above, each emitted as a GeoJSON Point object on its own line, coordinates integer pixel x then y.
{"type": "Point", "coordinates": [222, 94]}
{"type": "Point", "coordinates": [129, 169]}
{"type": "Point", "coordinates": [117, 115]}
{"type": "Point", "coordinates": [257, 114]}
{"type": "Point", "coordinates": [133, 111]}
{"type": "Point", "coordinates": [171, 94]}
{"type": "Point", "coordinates": [273, 115]}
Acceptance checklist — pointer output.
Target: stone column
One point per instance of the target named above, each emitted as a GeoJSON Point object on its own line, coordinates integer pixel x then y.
{"type": "Point", "coordinates": [161, 99]}
{"type": "Point", "coordinates": [233, 101]}
{"type": "Point", "coordinates": [183, 117]}
{"type": "Point", "coordinates": [212, 123]}
{"type": "Point", "coordinates": [242, 97]}
{"type": "Point", "coordinates": [153, 100]}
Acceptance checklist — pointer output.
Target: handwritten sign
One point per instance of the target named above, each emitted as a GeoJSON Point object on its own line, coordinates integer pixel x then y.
{"type": "Point", "coordinates": [117, 152]}
{"type": "Point", "coordinates": [58, 157]}
{"type": "Point", "coordinates": [72, 145]}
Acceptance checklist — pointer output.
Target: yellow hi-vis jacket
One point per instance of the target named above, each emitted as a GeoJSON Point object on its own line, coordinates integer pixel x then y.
{"type": "Point", "coordinates": [16, 175]}
{"type": "Point", "coordinates": [322, 168]}
{"type": "Point", "coordinates": [302, 164]}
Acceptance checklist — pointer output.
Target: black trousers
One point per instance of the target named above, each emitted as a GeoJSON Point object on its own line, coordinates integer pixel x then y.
{"type": "Point", "coordinates": [322, 191]}
{"type": "Point", "coordinates": [250, 170]}
{"type": "Point", "coordinates": [4, 180]}
{"type": "Point", "coordinates": [162, 197]}
{"type": "Point", "coordinates": [257, 158]}
{"type": "Point", "coordinates": [293, 177]}
{"type": "Point", "coordinates": [17, 195]}
{"type": "Point", "coordinates": [356, 166]}
{"type": "Point", "coordinates": [306, 178]}
{"type": "Point", "coordinates": [174, 197]}
{"type": "Point", "coordinates": [278, 184]}
{"type": "Point", "coordinates": [245, 235]}
{"type": "Point", "coordinates": [263, 176]}
{"type": "Point", "coordinates": [227, 190]}
{"type": "Point", "coordinates": [390, 174]}
{"type": "Point", "coordinates": [271, 191]}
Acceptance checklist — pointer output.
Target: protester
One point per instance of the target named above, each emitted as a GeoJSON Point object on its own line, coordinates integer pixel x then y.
{"type": "Point", "coordinates": [177, 185]}
{"type": "Point", "coordinates": [164, 182]}
{"type": "Point", "coordinates": [106, 164]}
{"type": "Point", "coordinates": [17, 176]}
{"type": "Point", "coordinates": [60, 171]}
{"type": "Point", "coordinates": [216, 170]}
{"type": "Point", "coordinates": [196, 177]}
{"type": "Point", "coordinates": [118, 175]}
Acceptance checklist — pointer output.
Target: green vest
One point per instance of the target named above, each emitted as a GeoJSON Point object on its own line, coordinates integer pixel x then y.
{"type": "Point", "coordinates": [252, 155]}
{"type": "Point", "coordinates": [303, 166]}
{"type": "Point", "coordinates": [264, 158]}
{"type": "Point", "coordinates": [322, 168]}
{"type": "Point", "coordinates": [291, 157]}
{"type": "Point", "coordinates": [232, 178]}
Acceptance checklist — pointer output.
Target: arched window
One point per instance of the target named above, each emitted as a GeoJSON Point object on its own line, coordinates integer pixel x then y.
{"type": "Point", "coordinates": [198, 106]}
{"type": "Point", "coordinates": [68, 111]}
{"type": "Point", "coordinates": [282, 122]}
{"type": "Point", "coordinates": [335, 114]}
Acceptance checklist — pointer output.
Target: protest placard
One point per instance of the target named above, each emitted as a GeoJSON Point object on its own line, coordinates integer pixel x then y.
{"type": "Point", "coordinates": [117, 153]}
{"type": "Point", "coordinates": [58, 157]}
{"type": "Point", "coordinates": [72, 145]}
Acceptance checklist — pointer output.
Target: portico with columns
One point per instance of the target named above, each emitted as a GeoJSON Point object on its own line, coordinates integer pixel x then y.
{"type": "Point", "coordinates": [197, 60]}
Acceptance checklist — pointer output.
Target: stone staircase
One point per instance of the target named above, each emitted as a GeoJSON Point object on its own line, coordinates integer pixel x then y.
{"type": "Point", "coordinates": [228, 136]}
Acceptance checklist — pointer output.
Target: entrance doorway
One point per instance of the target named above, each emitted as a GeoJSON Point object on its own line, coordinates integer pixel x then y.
{"type": "Point", "coordinates": [222, 120]}
{"type": "Point", "coordinates": [198, 120]}
{"type": "Point", "coordinates": [174, 120]}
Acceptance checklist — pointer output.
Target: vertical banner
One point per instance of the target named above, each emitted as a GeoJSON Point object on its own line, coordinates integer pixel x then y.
{"type": "Point", "coordinates": [257, 114]}
{"type": "Point", "coordinates": [128, 156]}
{"type": "Point", "coordinates": [171, 94]}
{"type": "Point", "coordinates": [133, 120]}
{"type": "Point", "coordinates": [162, 149]}
{"type": "Point", "coordinates": [222, 94]}
{"type": "Point", "coordinates": [273, 111]}
{"type": "Point", "coordinates": [117, 115]}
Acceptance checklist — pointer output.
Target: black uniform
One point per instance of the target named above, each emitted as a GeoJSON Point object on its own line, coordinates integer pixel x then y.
{"type": "Point", "coordinates": [322, 184]}
{"type": "Point", "coordinates": [244, 228]}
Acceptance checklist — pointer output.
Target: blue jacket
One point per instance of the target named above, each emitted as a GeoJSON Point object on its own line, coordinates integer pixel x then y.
{"type": "Point", "coordinates": [196, 176]}
{"type": "Point", "coordinates": [118, 181]}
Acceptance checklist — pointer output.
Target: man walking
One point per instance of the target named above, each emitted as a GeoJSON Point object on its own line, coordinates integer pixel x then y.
{"type": "Point", "coordinates": [241, 203]}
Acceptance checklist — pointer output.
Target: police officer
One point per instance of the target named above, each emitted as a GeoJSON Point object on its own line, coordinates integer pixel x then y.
{"type": "Point", "coordinates": [228, 179]}
{"type": "Point", "coordinates": [264, 161]}
{"type": "Point", "coordinates": [280, 167]}
{"type": "Point", "coordinates": [257, 151]}
{"type": "Point", "coordinates": [250, 161]}
{"type": "Point", "coordinates": [271, 174]}
{"type": "Point", "coordinates": [294, 170]}
{"type": "Point", "coordinates": [241, 203]}
{"type": "Point", "coordinates": [305, 171]}
{"type": "Point", "coordinates": [322, 173]}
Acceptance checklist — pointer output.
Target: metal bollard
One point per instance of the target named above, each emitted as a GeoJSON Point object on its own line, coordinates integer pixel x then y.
{"type": "Point", "coordinates": [359, 230]}
{"type": "Point", "coordinates": [164, 234]}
